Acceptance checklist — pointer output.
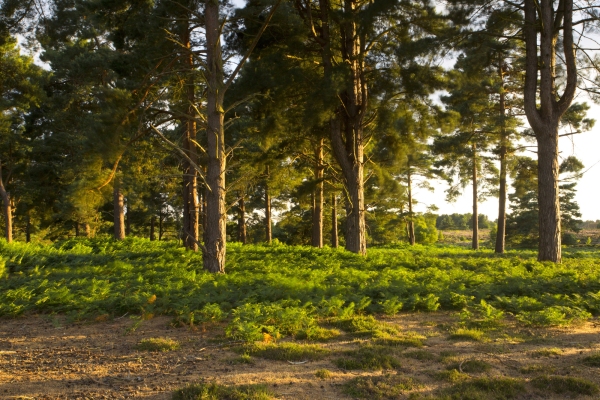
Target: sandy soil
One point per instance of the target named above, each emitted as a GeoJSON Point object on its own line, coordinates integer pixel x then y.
{"type": "Point", "coordinates": [42, 357]}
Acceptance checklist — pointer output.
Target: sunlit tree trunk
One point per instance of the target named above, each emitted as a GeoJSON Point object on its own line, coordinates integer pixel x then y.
{"type": "Point", "coordinates": [544, 107]}
{"type": "Point", "coordinates": [334, 222]}
{"type": "Point", "coordinates": [215, 234]}
{"type": "Point", "coordinates": [118, 211]}
{"type": "Point", "coordinates": [411, 221]}
{"type": "Point", "coordinates": [317, 215]}
{"type": "Point", "coordinates": [475, 220]}
{"type": "Point", "coordinates": [242, 220]}
{"type": "Point", "coordinates": [190, 175]}
{"type": "Point", "coordinates": [501, 231]}
{"type": "Point", "coordinates": [268, 223]}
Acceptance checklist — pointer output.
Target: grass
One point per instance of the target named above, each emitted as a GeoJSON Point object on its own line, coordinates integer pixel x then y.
{"type": "Point", "coordinates": [546, 352]}
{"type": "Point", "coordinates": [323, 373]}
{"type": "Point", "coordinates": [452, 376]}
{"type": "Point", "coordinates": [318, 334]}
{"type": "Point", "coordinates": [286, 351]}
{"type": "Point", "coordinates": [421, 355]}
{"type": "Point", "coordinates": [213, 391]}
{"type": "Point", "coordinates": [380, 387]}
{"type": "Point", "coordinates": [403, 341]}
{"type": "Point", "coordinates": [537, 369]}
{"type": "Point", "coordinates": [592, 360]}
{"type": "Point", "coordinates": [365, 325]}
{"type": "Point", "coordinates": [474, 335]}
{"type": "Point", "coordinates": [471, 366]}
{"type": "Point", "coordinates": [158, 344]}
{"type": "Point", "coordinates": [487, 389]}
{"type": "Point", "coordinates": [368, 357]}
{"type": "Point", "coordinates": [565, 384]}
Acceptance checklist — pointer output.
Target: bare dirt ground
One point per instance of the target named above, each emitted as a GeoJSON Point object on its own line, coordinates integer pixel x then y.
{"type": "Point", "coordinates": [42, 357]}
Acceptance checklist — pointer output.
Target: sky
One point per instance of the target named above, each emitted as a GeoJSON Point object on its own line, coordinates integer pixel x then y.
{"type": "Point", "coordinates": [585, 146]}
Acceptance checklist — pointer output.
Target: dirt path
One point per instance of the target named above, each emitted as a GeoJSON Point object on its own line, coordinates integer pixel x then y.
{"type": "Point", "coordinates": [44, 358]}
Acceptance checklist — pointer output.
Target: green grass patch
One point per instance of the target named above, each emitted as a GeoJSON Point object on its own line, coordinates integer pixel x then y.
{"type": "Point", "coordinates": [365, 325]}
{"type": "Point", "coordinates": [474, 335]}
{"type": "Point", "coordinates": [399, 341]}
{"type": "Point", "coordinates": [213, 391]}
{"type": "Point", "coordinates": [323, 373]}
{"type": "Point", "coordinates": [421, 355]}
{"type": "Point", "coordinates": [487, 389]}
{"type": "Point", "coordinates": [380, 387]}
{"type": "Point", "coordinates": [470, 366]}
{"type": "Point", "coordinates": [158, 344]}
{"type": "Point", "coordinates": [538, 369]}
{"type": "Point", "coordinates": [553, 316]}
{"type": "Point", "coordinates": [452, 376]}
{"type": "Point", "coordinates": [318, 334]}
{"type": "Point", "coordinates": [285, 351]}
{"type": "Point", "coordinates": [565, 384]}
{"type": "Point", "coordinates": [593, 360]}
{"type": "Point", "coordinates": [546, 352]}
{"type": "Point", "coordinates": [369, 357]}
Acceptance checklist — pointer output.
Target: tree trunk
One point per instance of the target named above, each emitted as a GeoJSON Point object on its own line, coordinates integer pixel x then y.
{"type": "Point", "coordinates": [128, 223]}
{"type": "Point", "coordinates": [317, 215]}
{"type": "Point", "coordinates": [190, 175]}
{"type": "Point", "coordinates": [548, 199]}
{"type": "Point", "coordinates": [28, 228]}
{"type": "Point", "coordinates": [347, 130]}
{"type": "Point", "coordinates": [160, 224]}
{"type": "Point", "coordinates": [215, 234]}
{"type": "Point", "coordinates": [475, 244]}
{"type": "Point", "coordinates": [501, 231]}
{"type": "Point", "coordinates": [118, 211]}
{"type": "Point", "coordinates": [8, 231]}
{"type": "Point", "coordinates": [87, 230]}
{"type": "Point", "coordinates": [7, 208]}
{"type": "Point", "coordinates": [544, 107]}
{"type": "Point", "coordinates": [268, 224]}
{"type": "Point", "coordinates": [76, 229]}
{"type": "Point", "coordinates": [334, 222]}
{"type": "Point", "coordinates": [346, 125]}
{"type": "Point", "coordinates": [152, 225]}
{"type": "Point", "coordinates": [242, 221]}
{"type": "Point", "coordinates": [411, 222]}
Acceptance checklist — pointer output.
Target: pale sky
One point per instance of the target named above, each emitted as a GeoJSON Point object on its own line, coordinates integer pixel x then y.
{"type": "Point", "coordinates": [585, 146]}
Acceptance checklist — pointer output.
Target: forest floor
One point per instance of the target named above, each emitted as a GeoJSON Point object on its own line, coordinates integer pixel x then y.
{"type": "Point", "coordinates": [43, 357]}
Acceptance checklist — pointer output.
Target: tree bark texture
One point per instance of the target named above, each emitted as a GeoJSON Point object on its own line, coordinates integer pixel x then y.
{"type": "Point", "coordinates": [501, 231]}
{"type": "Point", "coordinates": [28, 228]}
{"type": "Point", "coordinates": [190, 175]}
{"type": "Point", "coordinates": [242, 220]}
{"type": "Point", "coordinates": [347, 130]}
{"type": "Point", "coordinates": [7, 208]}
{"type": "Point", "coordinates": [87, 230]}
{"type": "Point", "coordinates": [317, 215]}
{"type": "Point", "coordinates": [152, 228]}
{"type": "Point", "coordinates": [160, 224]}
{"type": "Point", "coordinates": [268, 223]}
{"type": "Point", "coordinates": [475, 241]}
{"type": "Point", "coordinates": [334, 222]}
{"type": "Point", "coordinates": [118, 211]}
{"type": "Point", "coordinates": [215, 235]}
{"type": "Point", "coordinates": [411, 222]}
{"type": "Point", "coordinates": [346, 125]}
{"type": "Point", "coordinates": [541, 16]}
